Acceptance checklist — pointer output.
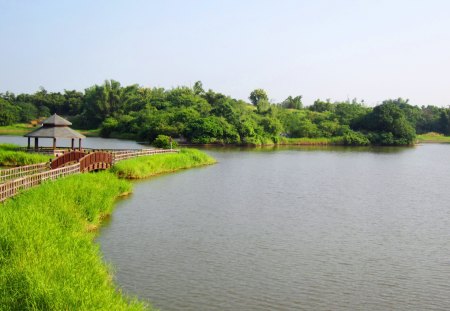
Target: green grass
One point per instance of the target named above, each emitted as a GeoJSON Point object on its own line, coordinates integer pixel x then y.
{"type": "Point", "coordinates": [9, 156]}
{"type": "Point", "coordinates": [143, 167]}
{"type": "Point", "coordinates": [433, 138]}
{"type": "Point", "coordinates": [48, 260]}
{"type": "Point", "coordinates": [312, 141]}
{"type": "Point", "coordinates": [16, 129]}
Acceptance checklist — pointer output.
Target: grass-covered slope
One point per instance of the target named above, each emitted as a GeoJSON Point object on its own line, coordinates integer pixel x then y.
{"type": "Point", "coordinates": [16, 129]}
{"type": "Point", "coordinates": [10, 156]}
{"type": "Point", "coordinates": [161, 163]}
{"type": "Point", "coordinates": [48, 260]}
{"type": "Point", "coordinates": [433, 138]}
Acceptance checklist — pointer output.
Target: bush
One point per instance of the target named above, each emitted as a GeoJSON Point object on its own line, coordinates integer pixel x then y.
{"type": "Point", "coordinates": [352, 138]}
{"type": "Point", "coordinates": [163, 141]}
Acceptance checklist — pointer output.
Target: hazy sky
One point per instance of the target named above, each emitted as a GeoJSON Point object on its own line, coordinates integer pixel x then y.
{"type": "Point", "coordinates": [372, 49]}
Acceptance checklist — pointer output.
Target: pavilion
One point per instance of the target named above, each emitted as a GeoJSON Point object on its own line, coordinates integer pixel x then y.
{"type": "Point", "coordinates": [55, 127]}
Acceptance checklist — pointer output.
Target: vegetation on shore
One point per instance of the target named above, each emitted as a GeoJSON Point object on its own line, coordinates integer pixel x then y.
{"type": "Point", "coordinates": [433, 137]}
{"type": "Point", "coordinates": [11, 156]}
{"type": "Point", "coordinates": [305, 141]}
{"type": "Point", "coordinates": [198, 116]}
{"type": "Point", "coordinates": [48, 260]}
{"type": "Point", "coordinates": [143, 167]}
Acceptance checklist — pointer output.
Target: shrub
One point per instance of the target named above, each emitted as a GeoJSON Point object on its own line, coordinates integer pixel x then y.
{"type": "Point", "coordinates": [352, 138]}
{"type": "Point", "coordinates": [163, 141]}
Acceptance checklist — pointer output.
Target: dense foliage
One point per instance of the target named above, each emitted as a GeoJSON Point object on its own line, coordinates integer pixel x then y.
{"type": "Point", "coordinates": [200, 116]}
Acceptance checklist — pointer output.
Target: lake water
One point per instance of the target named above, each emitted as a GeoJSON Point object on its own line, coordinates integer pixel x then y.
{"type": "Point", "coordinates": [290, 229]}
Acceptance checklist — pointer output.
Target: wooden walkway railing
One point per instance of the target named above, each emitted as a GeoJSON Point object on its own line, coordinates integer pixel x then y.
{"type": "Point", "coordinates": [33, 175]}
{"type": "Point", "coordinates": [12, 187]}
{"type": "Point", "coordinates": [73, 156]}
{"type": "Point", "coordinates": [127, 154]}
{"type": "Point", "coordinates": [95, 161]}
{"type": "Point", "coordinates": [16, 172]}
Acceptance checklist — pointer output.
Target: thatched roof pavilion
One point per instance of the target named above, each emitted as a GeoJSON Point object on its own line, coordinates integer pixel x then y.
{"type": "Point", "coordinates": [55, 127]}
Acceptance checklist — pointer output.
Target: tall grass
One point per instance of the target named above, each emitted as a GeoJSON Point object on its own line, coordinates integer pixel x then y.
{"type": "Point", "coordinates": [161, 163]}
{"type": "Point", "coordinates": [10, 156]}
{"type": "Point", "coordinates": [48, 260]}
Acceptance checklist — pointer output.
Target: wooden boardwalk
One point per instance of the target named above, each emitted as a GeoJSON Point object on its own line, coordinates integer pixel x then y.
{"type": "Point", "coordinates": [13, 180]}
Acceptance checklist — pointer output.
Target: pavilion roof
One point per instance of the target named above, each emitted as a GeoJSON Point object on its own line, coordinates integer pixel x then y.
{"type": "Point", "coordinates": [55, 132]}
{"type": "Point", "coordinates": [56, 120]}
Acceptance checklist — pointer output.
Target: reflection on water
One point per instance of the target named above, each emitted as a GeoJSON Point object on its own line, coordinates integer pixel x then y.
{"type": "Point", "coordinates": [293, 229]}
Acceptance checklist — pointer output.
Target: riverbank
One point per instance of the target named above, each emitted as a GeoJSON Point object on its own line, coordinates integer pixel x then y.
{"type": "Point", "coordinates": [48, 260]}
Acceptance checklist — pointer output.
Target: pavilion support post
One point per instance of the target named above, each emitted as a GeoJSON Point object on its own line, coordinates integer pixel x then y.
{"type": "Point", "coordinates": [73, 143]}
{"type": "Point", "coordinates": [54, 143]}
{"type": "Point", "coordinates": [36, 143]}
{"type": "Point", "coordinates": [29, 142]}
{"type": "Point", "coordinates": [79, 144]}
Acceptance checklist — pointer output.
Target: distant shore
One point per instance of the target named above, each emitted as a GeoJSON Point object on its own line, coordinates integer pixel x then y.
{"type": "Point", "coordinates": [22, 128]}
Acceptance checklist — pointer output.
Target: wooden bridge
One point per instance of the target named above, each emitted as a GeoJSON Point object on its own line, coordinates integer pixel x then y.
{"type": "Point", "coordinates": [19, 178]}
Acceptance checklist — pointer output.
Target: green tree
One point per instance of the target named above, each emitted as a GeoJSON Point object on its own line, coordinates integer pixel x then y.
{"type": "Point", "coordinates": [198, 88]}
{"type": "Point", "coordinates": [321, 106]}
{"type": "Point", "coordinates": [257, 95]}
{"type": "Point", "coordinates": [9, 114]}
{"type": "Point", "coordinates": [391, 124]}
{"type": "Point", "coordinates": [292, 102]}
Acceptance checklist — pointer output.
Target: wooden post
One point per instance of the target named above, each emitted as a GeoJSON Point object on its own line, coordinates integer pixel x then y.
{"type": "Point", "coordinates": [36, 143]}
{"type": "Point", "coordinates": [29, 142]}
{"type": "Point", "coordinates": [54, 143]}
{"type": "Point", "coordinates": [79, 144]}
{"type": "Point", "coordinates": [73, 143]}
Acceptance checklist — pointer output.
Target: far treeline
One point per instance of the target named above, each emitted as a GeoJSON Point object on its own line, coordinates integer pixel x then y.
{"type": "Point", "coordinates": [205, 117]}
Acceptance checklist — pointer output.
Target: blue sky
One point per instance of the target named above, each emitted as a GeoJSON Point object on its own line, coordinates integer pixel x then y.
{"type": "Point", "coordinates": [371, 50]}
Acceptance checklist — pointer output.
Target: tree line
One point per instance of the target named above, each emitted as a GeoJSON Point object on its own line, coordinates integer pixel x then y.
{"type": "Point", "coordinates": [203, 117]}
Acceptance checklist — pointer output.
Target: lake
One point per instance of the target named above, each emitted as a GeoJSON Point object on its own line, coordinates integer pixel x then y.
{"type": "Point", "coordinates": [290, 229]}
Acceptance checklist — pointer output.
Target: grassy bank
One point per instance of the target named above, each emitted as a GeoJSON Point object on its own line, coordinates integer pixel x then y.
{"type": "Point", "coordinates": [16, 129]}
{"type": "Point", "coordinates": [9, 156]}
{"type": "Point", "coordinates": [320, 141]}
{"type": "Point", "coordinates": [48, 260]}
{"type": "Point", "coordinates": [161, 163]}
{"type": "Point", "coordinates": [433, 138]}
